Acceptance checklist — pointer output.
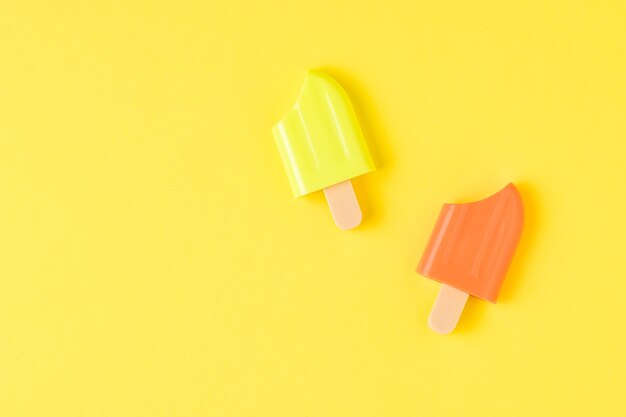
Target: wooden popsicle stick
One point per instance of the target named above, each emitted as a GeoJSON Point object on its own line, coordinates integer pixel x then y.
{"type": "Point", "coordinates": [447, 309]}
{"type": "Point", "coordinates": [343, 205]}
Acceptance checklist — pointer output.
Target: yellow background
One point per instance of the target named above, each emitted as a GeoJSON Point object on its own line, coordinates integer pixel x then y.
{"type": "Point", "coordinates": [153, 261]}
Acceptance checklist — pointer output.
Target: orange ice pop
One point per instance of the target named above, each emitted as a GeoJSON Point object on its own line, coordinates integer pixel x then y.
{"type": "Point", "coordinates": [470, 251]}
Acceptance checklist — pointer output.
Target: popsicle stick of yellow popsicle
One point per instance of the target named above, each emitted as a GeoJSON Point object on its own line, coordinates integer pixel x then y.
{"type": "Point", "coordinates": [469, 252]}
{"type": "Point", "coordinates": [322, 147]}
{"type": "Point", "coordinates": [344, 205]}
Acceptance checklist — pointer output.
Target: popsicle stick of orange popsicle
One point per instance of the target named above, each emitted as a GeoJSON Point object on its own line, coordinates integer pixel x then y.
{"type": "Point", "coordinates": [322, 147]}
{"type": "Point", "coordinates": [447, 309]}
{"type": "Point", "coordinates": [469, 252]}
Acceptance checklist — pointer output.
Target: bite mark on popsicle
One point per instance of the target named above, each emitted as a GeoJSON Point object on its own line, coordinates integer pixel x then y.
{"type": "Point", "coordinates": [469, 251]}
{"type": "Point", "coordinates": [322, 147]}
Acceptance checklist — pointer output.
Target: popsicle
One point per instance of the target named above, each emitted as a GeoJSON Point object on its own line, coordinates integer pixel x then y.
{"type": "Point", "coordinates": [322, 147]}
{"type": "Point", "coordinates": [469, 252]}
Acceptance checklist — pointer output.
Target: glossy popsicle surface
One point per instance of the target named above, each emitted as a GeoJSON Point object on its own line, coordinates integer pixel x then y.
{"type": "Point", "coordinates": [319, 139]}
{"type": "Point", "coordinates": [472, 245]}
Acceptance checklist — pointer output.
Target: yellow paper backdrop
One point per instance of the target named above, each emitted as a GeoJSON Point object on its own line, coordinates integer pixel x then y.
{"type": "Point", "coordinates": [152, 259]}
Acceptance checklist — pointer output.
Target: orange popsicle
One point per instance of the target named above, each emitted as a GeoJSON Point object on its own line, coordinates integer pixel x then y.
{"type": "Point", "coordinates": [470, 251]}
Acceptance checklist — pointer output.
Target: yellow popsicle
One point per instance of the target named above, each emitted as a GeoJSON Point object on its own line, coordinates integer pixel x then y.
{"type": "Point", "coordinates": [322, 146]}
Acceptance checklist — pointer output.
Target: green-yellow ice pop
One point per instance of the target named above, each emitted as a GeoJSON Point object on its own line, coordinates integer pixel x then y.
{"type": "Point", "coordinates": [322, 146]}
